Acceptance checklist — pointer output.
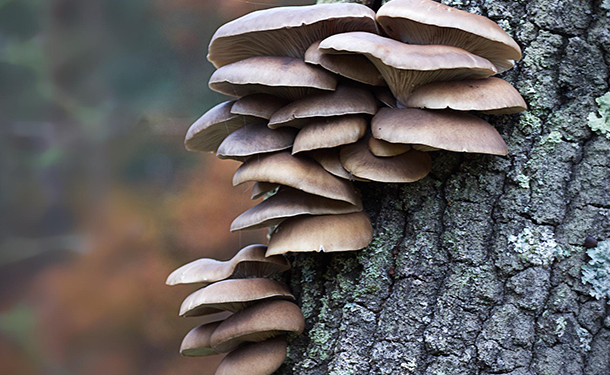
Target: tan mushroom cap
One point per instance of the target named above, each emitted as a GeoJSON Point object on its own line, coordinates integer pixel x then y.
{"type": "Point", "coordinates": [261, 358]}
{"type": "Point", "coordinates": [330, 132]}
{"type": "Point", "coordinates": [406, 66]}
{"type": "Point", "coordinates": [208, 132]}
{"type": "Point", "coordinates": [429, 22]}
{"type": "Point", "coordinates": [347, 100]}
{"type": "Point", "coordinates": [261, 188]}
{"type": "Point", "coordinates": [289, 202]}
{"type": "Point", "coordinates": [447, 130]}
{"type": "Point", "coordinates": [254, 139]}
{"type": "Point", "coordinates": [408, 167]}
{"type": "Point", "coordinates": [257, 323]}
{"type": "Point", "coordinates": [329, 160]}
{"type": "Point", "coordinates": [258, 105]}
{"type": "Point", "coordinates": [284, 77]}
{"type": "Point", "coordinates": [354, 67]}
{"type": "Point", "coordinates": [385, 149]}
{"type": "Point", "coordinates": [327, 233]}
{"type": "Point", "coordinates": [297, 172]}
{"type": "Point", "coordinates": [248, 262]}
{"type": "Point", "coordinates": [233, 295]}
{"type": "Point", "coordinates": [491, 95]}
{"type": "Point", "coordinates": [197, 343]}
{"type": "Point", "coordinates": [285, 31]}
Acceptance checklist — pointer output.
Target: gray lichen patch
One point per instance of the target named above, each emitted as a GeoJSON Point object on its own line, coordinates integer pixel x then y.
{"type": "Point", "coordinates": [596, 272]}
{"type": "Point", "coordinates": [601, 124]}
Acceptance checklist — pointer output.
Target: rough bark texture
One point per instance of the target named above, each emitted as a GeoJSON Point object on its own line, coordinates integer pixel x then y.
{"type": "Point", "coordinates": [476, 269]}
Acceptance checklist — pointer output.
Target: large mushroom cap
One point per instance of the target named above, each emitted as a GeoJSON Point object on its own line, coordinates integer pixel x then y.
{"type": "Point", "coordinates": [447, 130]}
{"type": "Point", "coordinates": [327, 233]}
{"type": "Point", "coordinates": [406, 66]}
{"type": "Point", "coordinates": [331, 132]}
{"type": "Point", "coordinates": [284, 77]}
{"type": "Point", "coordinates": [197, 343]}
{"type": "Point", "coordinates": [346, 100]}
{"type": "Point", "coordinates": [258, 323]}
{"type": "Point", "coordinates": [491, 95]}
{"type": "Point", "coordinates": [258, 105]}
{"type": "Point", "coordinates": [233, 295]}
{"type": "Point", "coordinates": [285, 31]}
{"type": "Point", "coordinates": [208, 132]}
{"type": "Point", "coordinates": [261, 358]}
{"type": "Point", "coordinates": [253, 139]}
{"type": "Point", "coordinates": [286, 203]}
{"type": "Point", "coordinates": [429, 22]}
{"type": "Point", "coordinates": [297, 172]}
{"type": "Point", "coordinates": [248, 262]}
{"type": "Point", "coordinates": [408, 167]}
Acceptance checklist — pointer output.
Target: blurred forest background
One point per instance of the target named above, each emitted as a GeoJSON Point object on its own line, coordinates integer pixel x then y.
{"type": "Point", "coordinates": [99, 200]}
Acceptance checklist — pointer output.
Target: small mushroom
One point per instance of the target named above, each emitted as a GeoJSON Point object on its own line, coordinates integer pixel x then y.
{"type": "Point", "coordinates": [385, 149]}
{"type": "Point", "coordinates": [261, 188]}
{"type": "Point", "coordinates": [258, 105]}
{"type": "Point", "coordinates": [261, 358]}
{"type": "Point", "coordinates": [330, 132]}
{"type": "Point", "coordinates": [254, 139]}
{"type": "Point", "coordinates": [197, 343]}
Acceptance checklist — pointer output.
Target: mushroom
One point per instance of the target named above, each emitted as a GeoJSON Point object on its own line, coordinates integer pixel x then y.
{"type": "Point", "coordinates": [261, 358]}
{"type": "Point", "coordinates": [325, 233]}
{"type": "Point", "coordinates": [261, 188]}
{"type": "Point", "coordinates": [329, 160]}
{"type": "Point", "coordinates": [248, 262]}
{"type": "Point", "coordinates": [197, 343]}
{"type": "Point", "coordinates": [385, 149]}
{"type": "Point", "coordinates": [255, 138]}
{"type": "Point", "coordinates": [331, 132]}
{"type": "Point", "coordinates": [285, 31]}
{"type": "Point", "coordinates": [257, 323]}
{"type": "Point", "coordinates": [447, 130]}
{"type": "Point", "coordinates": [285, 77]}
{"type": "Point", "coordinates": [428, 22]}
{"type": "Point", "coordinates": [258, 105]}
{"type": "Point", "coordinates": [289, 202]}
{"type": "Point", "coordinates": [406, 66]}
{"type": "Point", "coordinates": [232, 295]}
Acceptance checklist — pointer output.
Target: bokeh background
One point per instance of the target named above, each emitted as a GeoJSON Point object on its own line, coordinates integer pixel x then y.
{"type": "Point", "coordinates": [99, 200]}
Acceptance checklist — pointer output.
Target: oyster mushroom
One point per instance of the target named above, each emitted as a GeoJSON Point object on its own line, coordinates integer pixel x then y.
{"type": "Point", "coordinates": [261, 358]}
{"type": "Point", "coordinates": [331, 132]}
{"type": "Point", "coordinates": [255, 138]}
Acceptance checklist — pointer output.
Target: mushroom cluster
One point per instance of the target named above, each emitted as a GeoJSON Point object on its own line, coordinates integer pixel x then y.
{"type": "Point", "coordinates": [246, 314]}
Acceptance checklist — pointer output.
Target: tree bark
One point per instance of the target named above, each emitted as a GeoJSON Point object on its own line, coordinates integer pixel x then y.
{"type": "Point", "coordinates": [476, 269]}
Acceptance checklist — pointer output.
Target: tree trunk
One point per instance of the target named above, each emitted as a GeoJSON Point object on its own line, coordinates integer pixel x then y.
{"type": "Point", "coordinates": [477, 268]}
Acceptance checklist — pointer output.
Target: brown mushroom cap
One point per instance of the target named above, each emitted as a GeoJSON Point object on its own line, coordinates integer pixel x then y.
{"type": "Point", "coordinates": [284, 77]}
{"type": "Point", "coordinates": [330, 132]}
{"type": "Point", "coordinates": [354, 67]}
{"type": "Point", "coordinates": [197, 343]}
{"type": "Point", "coordinates": [233, 295]}
{"type": "Point", "coordinates": [208, 132]}
{"type": "Point", "coordinates": [253, 139]}
{"type": "Point", "coordinates": [447, 130]}
{"type": "Point", "coordinates": [257, 323]}
{"type": "Point", "coordinates": [327, 233]}
{"type": "Point", "coordinates": [286, 203]}
{"type": "Point", "coordinates": [406, 66]}
{"type": "Point", "coordinates": [248, 262]}
{"type": "Point", "coordinates": [345, 101]}
{"type": "Point", "coordinates": [261, 188]}
{"type": "Point", "coordinates": [491, 95]}
{"type": "Point", "coordinates": [297, 172]}
{"type": "Point", "coordinates": [329, 160]}
{"type": "Point", "coordinates": [261, 358]}
{"type": "Point", "coordinates": [258, 105]}
{"type": "Point", "coordinates": [408, 167]}
{"type": "Point", "coordinates": [385, 149]}
{"type": "Point", "coordinates": [429, 22]}
{"type": "Point", "coordinates": [285, 31]}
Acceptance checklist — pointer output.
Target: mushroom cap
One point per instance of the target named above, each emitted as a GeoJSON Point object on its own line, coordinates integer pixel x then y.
{"type": "Point", "coordinates": [385, 96]}
{"type": "Point", "coordinates": [208, 132]}
{"type": "Point", "coordinates": [355, 67]}
{"type": "Point", "coordinates": [297, 172]}
{"type": "Point", "coordinates": [258, 105]}
{"type": "Point", "coordinates": [330, 132]}
{"type": "Point", "coordinates": [197, 343]}
{"type": "Point", "coordinates": [286, 203]}
{"type": "Point", "coordinates": [385, 149]}
{"type": "Point", "coordinates": [248, 262]}
{"type": "Point", "coordinates": [261, 188]}
{"type": "Point", "coordinates": [429, 22]}
{"type": "Point", "coordinates": [406, 66]}
{"type": "Point", "coordinates": [285, 31]}
{"type": "Point", "coordinates": [490, 95]}
{"type": "Point", "coordinates": [329, 160]}
{"type": "Point", "coordinates": [255, 138]}
{"type": "Point", "coordinates": [233, 295]}
{"type": "Point", "coordinates": [408, 167]}
{"type": "Point", "coordinates": [257, 323]}
{"type": "Point", "coordinates": [327, 233]}
{"type": "Point", "coordinates": [261, 358]}
{"type": "Point", "coordinates": [447, 130]}
{"type": "Point", "coordinates": [284, 77]}
{"type": "Point", "coordinates": [347, 100]}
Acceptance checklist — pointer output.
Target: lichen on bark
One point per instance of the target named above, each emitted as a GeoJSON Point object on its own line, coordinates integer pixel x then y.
{"type": "Point", "coordinates": [477, 268]}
